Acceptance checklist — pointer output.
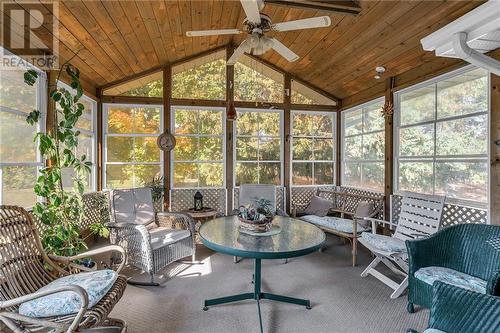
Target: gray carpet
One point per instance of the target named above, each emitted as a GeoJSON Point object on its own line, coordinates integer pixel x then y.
{"type": "Point", "coordinates": [342, 301]}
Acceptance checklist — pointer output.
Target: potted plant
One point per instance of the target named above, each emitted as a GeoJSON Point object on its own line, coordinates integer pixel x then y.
{"type": "Point", "coordinates": [61, 210]}
{"type": "Point", "coordinates": [256, 217]}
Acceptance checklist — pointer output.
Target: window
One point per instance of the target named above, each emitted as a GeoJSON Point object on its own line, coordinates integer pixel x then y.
{"type": "Point", "coordinates": [201, 78]}
{"type": "Point", "coordinates": [363, 146]}
{"type": "Point", "coordinates": [256, 82]}
{"type": "Point", "coordinates": [258, 147]}
{"type": "Point", "coordinates": [442, 136]}
{"type": "Point", "coordinates": [147, 86]}
{"type": "Point", "coordinates": [86, 140]}
{"type": "Point", "coordinates": [132, 158]}
{"type": "Point", "coordinates": [19, 157]}
{"type": "Point", "coordinates": [313, 148]}
{"type": "Point", "coordinates": [302, 94]}
{"type": "Point", "coordinates": [198, 157]}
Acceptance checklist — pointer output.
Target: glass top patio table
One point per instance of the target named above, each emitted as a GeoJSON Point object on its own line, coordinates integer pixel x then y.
{"type": "Point", "coordinates": [297, 238]}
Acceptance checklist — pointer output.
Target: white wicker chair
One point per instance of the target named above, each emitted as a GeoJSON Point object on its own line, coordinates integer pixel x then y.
{"type": "Point", "coordinates": [152, 240]}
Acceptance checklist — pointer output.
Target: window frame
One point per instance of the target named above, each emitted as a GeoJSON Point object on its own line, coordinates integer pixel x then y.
{"type": "Point", "coordinates": [92, 133]}
{"type": "Point", "coordinates": [105, 135]}
{"type": "Point", "coordinates": [223, 135]}
{"type": "Point", "coordinates": [41, 105]}
{"type": "Point", "coordinates": [333, 138]}
{"type": "Point", "coordinates": [442, 158]}
{"type": "Point", "coordinates": [281, 137]}
{"type": "Point", "coordinates": [361, 161]}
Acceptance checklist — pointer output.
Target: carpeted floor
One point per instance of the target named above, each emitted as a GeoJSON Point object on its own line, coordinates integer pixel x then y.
{"type": "Point", "coordinates": [341, 300]}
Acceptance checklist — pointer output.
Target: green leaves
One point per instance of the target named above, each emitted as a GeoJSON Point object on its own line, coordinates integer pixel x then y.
{"type": "Point", "coordinates": [30, 77]}
{"type": "Point", "coordinates": [33, 117]}
{"type": "Point", "coordinates": [61, 210]}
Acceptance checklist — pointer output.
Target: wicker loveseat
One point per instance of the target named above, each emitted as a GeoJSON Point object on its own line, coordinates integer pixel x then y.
{"type": "Point", "coordinates": [25, 269]}
{"type": "Point", "coordinates": [466, 255]}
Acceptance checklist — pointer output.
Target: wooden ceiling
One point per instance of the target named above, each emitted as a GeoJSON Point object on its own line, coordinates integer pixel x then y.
{"type": "Point", "coordinates": [117, 39]}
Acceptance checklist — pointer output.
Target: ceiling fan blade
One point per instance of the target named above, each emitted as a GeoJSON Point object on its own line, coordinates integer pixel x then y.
{"type": "Point", "coordinates": [251, 8]}
{"type": "Point", "coordinates": [284, 51]}
{"type": "Point", "coordinates": [213, 32]}
{"type": "Point", "coordinates": [314, 22]}
{"type": "Point", "coordinates": [238, 53]}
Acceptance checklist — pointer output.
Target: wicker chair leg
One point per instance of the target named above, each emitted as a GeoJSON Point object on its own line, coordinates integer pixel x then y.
{"type": "Point", "coordinates": [410, 307]}
{"type": "Point", "coordinates": [151, 282]}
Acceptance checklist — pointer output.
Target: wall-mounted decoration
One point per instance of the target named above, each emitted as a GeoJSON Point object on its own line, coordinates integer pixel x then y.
{"type": "Point", "coordinates": [387, 110]}
{"type": "Point", "coordinates": [166, 141]}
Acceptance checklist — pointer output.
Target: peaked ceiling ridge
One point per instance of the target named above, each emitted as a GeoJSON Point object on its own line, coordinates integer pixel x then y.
{"type": "Point", "coordinates": [231, 46]}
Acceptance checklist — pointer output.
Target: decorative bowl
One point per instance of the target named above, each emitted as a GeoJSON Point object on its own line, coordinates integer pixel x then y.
{"type": "Point", "coordinates": [256, 226]}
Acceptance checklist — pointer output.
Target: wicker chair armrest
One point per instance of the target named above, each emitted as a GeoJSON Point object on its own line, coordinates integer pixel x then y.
{"type": "Point", "coordinates": [11, 316]}
{"type": "Point", "coordinates": [449, 303]}
{"type": "Point", "coordinates": [173, 220]}
{"type": "Point", "coordinates": [425, 252]}
{"type": "Point", "coordinates": [86, 254]}
{"type": "Point", "coordinates": [493, 286]}
{"type": "Point", "coordinates": [138, 232]}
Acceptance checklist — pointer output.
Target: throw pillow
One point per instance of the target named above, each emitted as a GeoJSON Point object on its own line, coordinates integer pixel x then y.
{"type": "Point", "coordinates": [318, 206]}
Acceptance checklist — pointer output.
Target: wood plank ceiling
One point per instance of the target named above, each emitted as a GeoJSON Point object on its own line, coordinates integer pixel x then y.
{"type": "Point", "coordinates": [117, 39]}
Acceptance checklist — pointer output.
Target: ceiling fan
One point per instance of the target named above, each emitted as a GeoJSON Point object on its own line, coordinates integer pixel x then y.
{"type": "Point", "coordinates": [256, 25]}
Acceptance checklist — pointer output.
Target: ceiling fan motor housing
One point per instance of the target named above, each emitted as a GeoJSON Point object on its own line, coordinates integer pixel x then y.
{"type": "Point", "coordinates": [264, 26]}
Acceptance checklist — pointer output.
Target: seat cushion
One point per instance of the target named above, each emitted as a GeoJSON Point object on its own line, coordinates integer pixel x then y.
{"type": "Point", "coordinates": [451, 276]}
{"type": "Point", "coordinates": [384, 243]}
{"type": "Point", "coordinates": [96, 284]}
{"type": "Point", "coordinates": [433, 330]}
{"type": "Point", "coordinates": [162, 236]}
{"type": "Point", "coordinates": [318, 206]}
{"type": "Point", "coordinates": [334, 223]}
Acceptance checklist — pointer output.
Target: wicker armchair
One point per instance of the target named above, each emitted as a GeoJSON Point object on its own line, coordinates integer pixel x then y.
{"type": "Point", "coordinates": [456, 310]}
{"type": "Point", "coordinates": [472, 250]}
{"type": "Point", "coordinates": [25, 268]}
{"type": "Point", "coordinates": [152, 240]}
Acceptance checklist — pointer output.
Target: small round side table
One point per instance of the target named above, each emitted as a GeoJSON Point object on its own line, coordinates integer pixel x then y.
{"type": "Point", "coordinates": [201, 216]}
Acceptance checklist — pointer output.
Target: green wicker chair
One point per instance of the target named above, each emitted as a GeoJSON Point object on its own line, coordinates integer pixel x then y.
{"type": "Point", "coordinates": [456, 310]}
{"type": "Point", "coordinates": [467, 250]}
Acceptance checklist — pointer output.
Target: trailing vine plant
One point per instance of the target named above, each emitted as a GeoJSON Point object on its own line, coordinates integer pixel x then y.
{"type": "Point", "coordinates": [61, 210]}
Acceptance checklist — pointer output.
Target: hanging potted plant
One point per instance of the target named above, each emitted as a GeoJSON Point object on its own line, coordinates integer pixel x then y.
{"type": "Point", "coordinates": [61, 210]}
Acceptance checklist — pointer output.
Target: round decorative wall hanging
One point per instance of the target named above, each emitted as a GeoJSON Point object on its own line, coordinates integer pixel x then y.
{"type": "Point", "coordinates": [166, 141]}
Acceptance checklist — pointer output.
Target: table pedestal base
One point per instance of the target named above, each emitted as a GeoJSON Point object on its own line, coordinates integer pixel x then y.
{"type": "Point", "coordinates": [257, 295]}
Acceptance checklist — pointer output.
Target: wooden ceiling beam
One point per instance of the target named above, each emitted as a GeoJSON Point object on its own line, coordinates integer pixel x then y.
{"type": "Point", "coordinates": [344, 7]}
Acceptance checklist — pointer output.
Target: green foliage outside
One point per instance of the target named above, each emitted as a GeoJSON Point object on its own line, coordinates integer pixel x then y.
{"type": "Point", "coordinates": [452, 173]}
{"type": "Point", "coordinates": [125, 148]}
{"type": "Point", "coordinates": [312, 141]}
{"type": "Point", "coordinates": [61, 211]}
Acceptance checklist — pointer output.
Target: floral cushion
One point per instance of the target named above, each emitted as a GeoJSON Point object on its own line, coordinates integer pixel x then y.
{"type": "Point", "coordinates": [96, 284]}
{"type": "Point", "coordinates": [451, 276]}
{"type": "Point", "coordinates": [384, 243]}
{"type": "Point", "coordinates": [334, 223]}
